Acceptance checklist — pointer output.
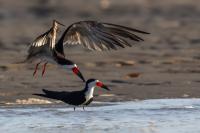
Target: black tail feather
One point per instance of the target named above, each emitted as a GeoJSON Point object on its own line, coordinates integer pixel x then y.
{"type": "Point", "coordinates": [42, 95]}
{"type": "Point", "coordinates": [51, 94]}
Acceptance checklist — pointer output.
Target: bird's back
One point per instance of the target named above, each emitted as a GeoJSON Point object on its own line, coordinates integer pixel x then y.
{"type": "Point", "coordinates": [74, 98]}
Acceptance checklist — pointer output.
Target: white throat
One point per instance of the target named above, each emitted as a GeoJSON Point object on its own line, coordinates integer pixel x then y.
{"type": "Point", "coordinates": [89, 92]}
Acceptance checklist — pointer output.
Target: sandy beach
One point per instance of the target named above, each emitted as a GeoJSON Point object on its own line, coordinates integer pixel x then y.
{"type": "Point", "coordinates": [165, 65]}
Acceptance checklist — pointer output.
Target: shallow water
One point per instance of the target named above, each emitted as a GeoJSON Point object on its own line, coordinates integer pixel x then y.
{"type": "Point", "coordinates": [148, 116]}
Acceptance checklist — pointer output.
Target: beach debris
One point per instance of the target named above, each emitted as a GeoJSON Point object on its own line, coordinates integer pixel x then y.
{"type": "Point", "coordinates": [125, 63]}
{"type": "Point", "coordinates": [185, 95]}
{"type": "Point", "coordinates": [4, 94]}
{"type": "Point", "coordinates": [3, 68]}
{"type": "Point", "coordinates": [90, 64]}
{"type": "Point", "coordinates": [133, 75]}
{"type": "Point", "coordinates": [29, 101]}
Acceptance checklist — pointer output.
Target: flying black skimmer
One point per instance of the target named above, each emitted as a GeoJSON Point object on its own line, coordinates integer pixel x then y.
{"type": "Point", "coordinates": [91, 34]}
{"type": "Point", "coordinates": [83, 97]}
{"type": "Point", "coordinates": [45, 49]}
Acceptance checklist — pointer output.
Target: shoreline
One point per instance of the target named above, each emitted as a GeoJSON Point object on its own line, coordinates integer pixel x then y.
{"type": "Point", "coordinates": [48, 103]}
{"type": "Point", "coordinates": [165, 65]}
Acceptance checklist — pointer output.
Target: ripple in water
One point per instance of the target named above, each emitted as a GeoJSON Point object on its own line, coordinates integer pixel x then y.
{"type": "Point", "coordinates": [148, 116]}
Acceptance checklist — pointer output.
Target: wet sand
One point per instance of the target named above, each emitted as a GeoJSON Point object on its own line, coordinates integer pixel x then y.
{"type": "Point", "coordinates": [166, 65]}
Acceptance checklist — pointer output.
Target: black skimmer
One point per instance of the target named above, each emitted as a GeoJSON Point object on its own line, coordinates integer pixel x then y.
{"type": "Point", "coordinates": [83, 97]}
{"type": "Point", "coordinates": [91, 34]}
{"type": "Point", "coordinates": [45, 49]}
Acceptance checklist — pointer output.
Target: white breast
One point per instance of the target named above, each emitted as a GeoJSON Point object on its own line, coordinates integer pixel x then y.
{"type": "Point", "coordinates": [89, 94]}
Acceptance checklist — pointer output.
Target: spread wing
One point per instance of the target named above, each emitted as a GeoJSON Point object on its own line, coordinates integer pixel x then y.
{"type": "Point", "coordinates": [100, 36]}
{"type": "Point", "coordinates": [41, 45]}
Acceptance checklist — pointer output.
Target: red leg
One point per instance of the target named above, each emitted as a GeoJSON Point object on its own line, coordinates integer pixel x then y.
{"type": "Point", "coordinates": [36, 67]}
{"type": "Point", "coordinates": [44, 68]}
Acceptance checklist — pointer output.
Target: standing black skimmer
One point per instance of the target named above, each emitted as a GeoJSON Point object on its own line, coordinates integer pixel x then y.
{"type": "Point", "coordinates": [83, 97]}
{"type": "Point", "coordinates": [46, 50]}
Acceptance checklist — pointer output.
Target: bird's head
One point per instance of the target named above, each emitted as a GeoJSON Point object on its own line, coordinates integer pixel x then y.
{"type": "Point", "coordinates": [96, 83]}
{"type": "Point", "coordinates": [73, 67]}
